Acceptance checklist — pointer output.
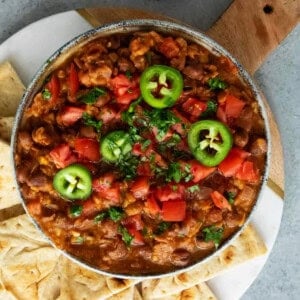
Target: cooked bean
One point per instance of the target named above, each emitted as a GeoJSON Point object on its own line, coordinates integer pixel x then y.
{"type": "Point", "coordinates": [180, 257]}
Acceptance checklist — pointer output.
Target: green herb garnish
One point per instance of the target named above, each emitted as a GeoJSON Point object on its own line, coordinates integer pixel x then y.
{"type": "Point", "coordinates": [90, 121]}
{"type": "Point", "coordinates": [194, 188]}
{"type": "Point", "coordinates": [126, 236]}
{"type": "Point", "coordinates": [46, 94]}
{"type": "Point", "coordinates": [115, 213]}
{"type": "Point", "coordinates": [100, 217]}
{"type": "Point", "coordinates": [92, 96]}
{"type": "Point", "coordinates": [230, 197]}
{"type": "Point", "coordinates": [216, 84]}
{"type": "Point", "coordinates": [211, 109]}
{"type": "Point", "coordinates": [214, 234]}
{"type": "Point", "coordinates": [128, 74]}
{"type": "Point", "coordinates": [76, 210]}
{"type": "Point", "coordinates": [162, 227]}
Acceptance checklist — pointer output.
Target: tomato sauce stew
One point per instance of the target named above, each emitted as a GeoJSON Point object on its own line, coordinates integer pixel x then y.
{"type": "Point", "coordinates": [142, 153]}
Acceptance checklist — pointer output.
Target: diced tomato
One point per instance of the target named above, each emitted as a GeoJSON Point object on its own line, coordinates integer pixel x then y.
{"type": "Point", "coordinates": [63, 156]}
{"type": "Point", "coordinates": [221, 114]}
{"type": "Point", "coordinates": [173, 211]}
{"type": "Point", "coordinates": [199, 171]}
{"type": "Point", "coordinates": [144, 169]}
{"type": "Point", "coordinates": [124, 89]}
{"type": "Point", "coordinates": [87, 148]}
{"type": "Point", "coordinates": [138, 238]}
{"type": "Point", "coordinates": [179, 127]}
{"type": "Point", "coordinates": [107, 114]}
{"type": "Point", "coordinates": [104, 182]}
{"type": "Point", "coordinates": [158, 159]}
{"type": "Point", "coordinates": [233, 106]}
{"type": "Point", "coordinates": [73, 81]}
{"type": "Point", "coordinates": [137, 149]}
{"type": "Point", "coordinates": [248, 172]}
{"type": "Point", "coordinates": [194, 107]}
{"type": "Point", "coordinates": [140, 187]}
{"type": "Point", "coordinates": [89, 207]}
{"type": "Point", "coordinates": [152, 205]}
{"type": "Point", "coordinates": [113, 193]}
{"type": "Point", "coordinates": [233, 161]}
{"type": "Point", "coordinates": [134, 221]}
{"type": "Point", "coordinates": [34, 207]}
{"type": "Point", "coordinates": [70, 115]}
{"type": "Point", "coordinates": [169, 48]}
{"type": "Point", "coordinates": [54, 88]}
{"type": "Point", "coordinates": [169, 192]}
{"type": "Point", "coordinates": [220, 201]}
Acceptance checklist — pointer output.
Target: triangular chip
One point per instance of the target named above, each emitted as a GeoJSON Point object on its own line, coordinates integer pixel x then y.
{"type": "Point", "coordinates": [11, 90]}
{"type": "Point", "coordinates": [246, 246]}
{"type": "Point", "coordinates": [9, 195]}
{"type": "Point", "coordinates": [6, 124]}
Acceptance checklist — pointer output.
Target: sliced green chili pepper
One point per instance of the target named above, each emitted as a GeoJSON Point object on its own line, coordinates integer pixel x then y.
{"type": "Point", "coordinates": [73, 182]}
{"type": "Point", "coordinates": [161, 86]}
{"type": "Point", "coordinates": [209, 141]}
{"type": "Point", "coordinates": [115, 145]}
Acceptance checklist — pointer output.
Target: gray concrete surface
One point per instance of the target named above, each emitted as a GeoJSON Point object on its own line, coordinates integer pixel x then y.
{"type": "Point", "coordinates": [279, 78]}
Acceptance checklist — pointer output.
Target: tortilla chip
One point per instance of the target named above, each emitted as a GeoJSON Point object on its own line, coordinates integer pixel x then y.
{"type": "Point", "coordinates": [11, 90]}
{"type": "Point", "coordinates": [9, 195]}
{"type": "Point", "coordinates": [137, 294]}
{"type": "Point", "coordinates": [246, 246]}
{"type": "Point", "coordinates": [41, 272]}
{"type": "Point", "coordinates": [6, 124]}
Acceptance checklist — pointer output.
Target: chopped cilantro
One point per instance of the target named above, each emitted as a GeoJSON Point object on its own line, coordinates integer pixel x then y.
{"type": "Point", "coordinates": [92, 96]}
{"type": "Point", "coordinates": [128, 165]}
{"type": "Point", "coordinates": [194, 188]}
{"type": "Point", "coordinates": [128, 115]}
{"type": "Point", "coordinates": [216, 84]}
{"type": "Point", "coordinates": [230, 197]}
{"type": "Point", "coordinates": [76, 210]}
{"type": "Point", "coordinates": [211, 109]}
{"type": "Point", "coordinates": [90, 121]}
{"type": "Point", "coordinates": [174, 172]}
{"type": "Point", "coordinates": [162, 227]}
{"type": "Point", "coordinates": [128, 74]}
{"type": "Point", "coordinates": [100, 217]}
{"type": "Point", "coordinates": [46, 94]}
{"type": "Point", "coordinates": [115, 213]}
{"type": "Point", "coordinates": [126, 236]}
{"type": "Point", "coordinates": [145, 144]}
{"type": "Point", "coordinates": [214, 234]}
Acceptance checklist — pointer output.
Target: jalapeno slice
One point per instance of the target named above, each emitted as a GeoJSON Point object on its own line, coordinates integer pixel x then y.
{"type": "Point", "coordinates": [73, 182]}
{"type": "Point", "coordinates": [209, 141]}
{"type": "Point", "coordinates": [115, 145]}
{"type": "Point", "coordinates": [161, 86]}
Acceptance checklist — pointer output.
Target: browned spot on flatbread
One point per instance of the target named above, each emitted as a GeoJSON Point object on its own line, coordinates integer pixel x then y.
{"type": "Point", "coordinates": [183, 277]}
{"type": "Point", "coordinates": [118, 283]}
{"type": "Point", "coordinates": [229, 255]}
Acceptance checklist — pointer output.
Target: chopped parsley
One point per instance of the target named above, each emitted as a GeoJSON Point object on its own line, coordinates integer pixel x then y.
{"type": "Point", "coordinates": [128, 74]}
{"type": "Point", "coordinates": [115, 213]}
{"type": "Point", "coordinates": [213, 233]}
{"type": "Point", "coordinates": [75, 211]}
{"type": "Point", "coordinates": [230, 197]}
{"type": "Point", "coordinates": [128, 165]}
{"type": "Point", "coordinates": [92, 96]}
{"type": "Point", "coordinates": [161, 119]}
{"type": "Point", "coordinates": [162, 227]}
{"type": "Point", "coordinates": [126, 236]}
{"type": "Point", "coordinates": [216, 84]}
{"type": "Point", "coordinates": [100, 217]}
{"type": "Point", "coordinates": [90, 121]}
{"type": "Point", "coordinates": [211, 109]}
{"type": "Point", "coordinates": [46, 94]}
{"type": "Point", "coordinates": [145, 144]}
{"type": "Point", "coordinates": [194, 188]}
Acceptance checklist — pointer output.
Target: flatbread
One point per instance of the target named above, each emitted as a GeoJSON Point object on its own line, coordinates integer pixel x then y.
{"type": "Point", "coordinates": [6, 124]}
{"type": "Point", "coordinates": [11, 90]}
{"type": "Point", "coordinates": [127, 294]}
{"type": "Point", "coordinates": [30, 268]}
{"type": "Point", "coordinates": [246, 246]}
{"type": "Point", "coordinates": [9, 195]}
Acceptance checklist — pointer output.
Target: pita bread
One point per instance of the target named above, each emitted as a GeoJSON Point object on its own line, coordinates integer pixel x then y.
{"type": "Point", "coordinates": [127, 294]}
{"type": "Point", "coordinates": [246, 246]}
{"type": "Point", "coordinates": [11, 90]}
{"type": "Point", "coordinates": [42, 272]}
{"type": "Point", "coordinates": [9, 195]}
{"type": "Point", "coordinates": [6, 124]}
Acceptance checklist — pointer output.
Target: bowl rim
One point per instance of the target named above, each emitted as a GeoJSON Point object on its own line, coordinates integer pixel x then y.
{"type": "Point", "coordinates": [128, 26]}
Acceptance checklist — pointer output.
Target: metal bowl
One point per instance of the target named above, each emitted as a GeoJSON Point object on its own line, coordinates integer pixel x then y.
{"type": "Point", "coordinates": [130, 26]}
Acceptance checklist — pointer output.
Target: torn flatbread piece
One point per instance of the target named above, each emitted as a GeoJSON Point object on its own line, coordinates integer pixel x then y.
{"type": "Point", "coordinates": [9, 195]}
{"type": "Point", "coordinates": [246, 246]}
{"type": "Point", "coordinates": [11, 90]}
{"type": "Point", "coordinates": [41, 272]}
{"type": "Point", "coordinates": [6, 124]}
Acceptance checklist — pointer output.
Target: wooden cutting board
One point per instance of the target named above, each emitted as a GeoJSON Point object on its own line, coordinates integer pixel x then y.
{"type": "Point", "coordinates": [249, 30]}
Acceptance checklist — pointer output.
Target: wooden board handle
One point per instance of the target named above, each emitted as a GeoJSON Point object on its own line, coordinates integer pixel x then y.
{"type": "Point", "coordinates": [250, 30]}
